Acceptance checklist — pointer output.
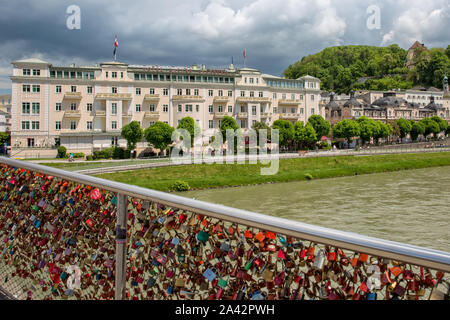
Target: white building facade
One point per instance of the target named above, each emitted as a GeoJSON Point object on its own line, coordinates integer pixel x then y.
{"type": "Point", "coordinates": [85, 108]}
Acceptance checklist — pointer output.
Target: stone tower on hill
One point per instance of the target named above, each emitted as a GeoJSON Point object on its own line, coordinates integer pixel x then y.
{"type": "Point", "coordinates": [415, 49]}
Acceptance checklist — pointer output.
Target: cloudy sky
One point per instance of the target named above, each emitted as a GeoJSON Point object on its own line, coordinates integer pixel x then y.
{"type": "Point", "coordinates": [183, 32]}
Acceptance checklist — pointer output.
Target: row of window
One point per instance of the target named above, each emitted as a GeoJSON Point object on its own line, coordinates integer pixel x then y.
{"type": "Point", "coordinates": [3, 101]}
{"type": "Point", "coordinates": [27, 72]}
{"type": "Point", "coordinates": [220, 93]}
{"type": "Point", "coordinates": [285, 84]}
{"type": "Point", "coordinates": [182, 78]}
{"type": "Point", "coordinates": [424, 97]}
{"type": "Point", "coordinates": [34, 108]}
{"type": "Point", "coordinates": [65, 74]}
{"type": "Point", "coordinates": [73, 125]}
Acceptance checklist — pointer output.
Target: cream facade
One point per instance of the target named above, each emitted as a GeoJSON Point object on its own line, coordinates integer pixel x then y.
{"type": "Point", "coordinates": [85, 108]}
{"type": "Point", "coordinates": [5, 113]}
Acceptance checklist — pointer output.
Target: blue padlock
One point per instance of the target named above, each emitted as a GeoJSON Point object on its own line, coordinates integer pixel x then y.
{"type": "Point", "coordinates": [371, 296]}
{"type": "Point", "coordinates": [209, 274]}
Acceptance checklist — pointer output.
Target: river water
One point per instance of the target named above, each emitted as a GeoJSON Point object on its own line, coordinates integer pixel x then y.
{"type": "Point", "coordinates": [410, 206]}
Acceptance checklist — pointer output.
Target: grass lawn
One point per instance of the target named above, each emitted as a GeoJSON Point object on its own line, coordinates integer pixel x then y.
{"type": "Point", "coordinates": [202, 176]}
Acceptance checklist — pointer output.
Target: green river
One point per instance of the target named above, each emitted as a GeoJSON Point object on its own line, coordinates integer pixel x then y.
{"type": "Point", "coordinates": [410, 206]}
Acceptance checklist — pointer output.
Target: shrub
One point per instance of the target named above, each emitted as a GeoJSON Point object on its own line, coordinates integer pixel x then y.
{"type": "Point", "coordinates": [180, 185]}
{"type": "Point", "coordinates": [118, 153]}
{"type": "Point", "coordinates": [89, 158]}
{"type": "Point", "coordinates": [308, 176]}
{"type": "Point", "coordinates": [324, 145]}
{"type": "Point", "coordinates": [61, 152]}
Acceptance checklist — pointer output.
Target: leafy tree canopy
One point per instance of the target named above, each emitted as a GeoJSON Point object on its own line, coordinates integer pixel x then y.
{"type": "Point", "coordinates": [133, 133]}
{"type": "Point", "coordinates": [346, 129]}
{"type": "Point", "coordinates": [340, 67]}
{"type": "Point", "coordinates": [320, 125]}
{"type": "Point", "coordinates": [159, 135]}
{"type": "Point", "coordinates": [286, 131]}
{"type": "Point", "coordinates": [404, 126]}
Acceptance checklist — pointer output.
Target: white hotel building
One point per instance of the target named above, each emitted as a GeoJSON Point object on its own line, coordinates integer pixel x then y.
{"type": "Point", "coordinates": [85, 108]}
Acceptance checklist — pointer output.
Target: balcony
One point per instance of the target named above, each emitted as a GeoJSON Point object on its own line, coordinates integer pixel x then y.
{"type": "Point", "coordinates": [72, 95]}
{"type": "Point", "coordinates": [151, 97]}
{"type": "Point", "coordinates": [120, 226]}
{"type": "Point", "coordinates": [99, 113]}
{"type": "Point", "coordinates": [188, 98]}
{"type": "Point", "coordinates": [289, 102]}
{"type": "Point", "coordinates": [127, 115]}
{"type": "Point", "coordinates": [265, 114]}
{"type": "Point", "coordinates": [220, 115]}
{"type": "Point", "coordinates": [113, 96]}
{"type": "Point", "coordinates": [242, 115]}
{"type": "Point", "coordinates": [151, 114]}
{"type": "Point", "coordinates": [72, 114]}
{"type": "Point", "coordinates": [290, 116]}
{"type": "Point", "coordinates": [220, 99]}
{"type": "Point", "coordinates": [253, 99]}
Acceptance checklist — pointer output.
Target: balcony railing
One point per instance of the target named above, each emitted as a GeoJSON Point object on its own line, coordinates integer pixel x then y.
{"type": "Point", "coordinates": [151, 97]}
{"type": "Point", "coordinates": [151, 114]}
{"type": "Point", "coordinates": [219, 99]}
{"type": "Point", "coordinates": [100, 113]}
{"type": "Point", "coordinates": [220, 115]}
{"type": "Point", "coordinates": [253, 99]}
{"type": "Point", "coordinates": [64, 235]}
{"type": "Point", "coordinates": [289, 115]}
{"type": "Point", "coordinates": [188, 98]}
{"type": "Point", "coordinates": [72, 95]}
{"type": "Point", "coordinates": [72, 114]}
{"type": "Point", "coordinates": [242, 115]}
{"type": "Point", "coordinates": [113, 96]}
{"type": "Point", "coordinates": [288, 102]}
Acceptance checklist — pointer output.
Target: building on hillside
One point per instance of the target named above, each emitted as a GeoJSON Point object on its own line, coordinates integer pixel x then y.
{"type": "Point", "coordinates": [413, 51]}
{"type": "Point", "coordinates": [85, 108]}
{"type": "Point", "coordinates": [390, 106]}
{"type": "Point", "coordinates": [5, 113]}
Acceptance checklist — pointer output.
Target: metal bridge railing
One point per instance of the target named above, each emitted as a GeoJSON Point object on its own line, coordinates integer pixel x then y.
{"type": "Point", "coordinates": [64, 235]}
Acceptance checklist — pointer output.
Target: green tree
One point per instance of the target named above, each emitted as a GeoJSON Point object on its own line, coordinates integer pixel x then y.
{"type": "Point", "coordinates": [404, 126]}
{"type": "Point", "coordinates": [159, 135]}
{"type": "Point", "coordinates": [367, 129]}
{"type": "Point", "coordinates": [443, 125]}
{"type": "Point", "coordinates": [320, 125]}
{"type": "Point", "coordinates": [305, 136]}
{"type": "Point", "coordinates": [431, 127]}
{"type": "Point", "coordinates": [189, 124]}
{"type": "Point", "coordinates": [257, 126]}
{"type": "Point", "coordinates": [228, 123]}
{"type": "Point", "coordinates": [346, 129]}
{"type": "Point", "coordinates": [286, 131]}
{"type": "Point", "coordinates": [133, 133]}
{"type": "Point", "coordinates": [384, 130]}
{"type": "Point", "coordinates": [417, 129]}
{"type": "Point", "coordinates": [4, 138]}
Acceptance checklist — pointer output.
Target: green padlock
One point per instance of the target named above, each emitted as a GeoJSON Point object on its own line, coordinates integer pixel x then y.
{"type": "Point", "coordinates": [203, 236]}
{"type": "Point", "coordinates": [35, 208]}
{"type": "Point", "coordinates": [222, 283]}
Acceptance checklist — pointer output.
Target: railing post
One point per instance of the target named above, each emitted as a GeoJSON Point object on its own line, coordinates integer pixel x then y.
{"type": "Point", "coordinates": [121, 246]}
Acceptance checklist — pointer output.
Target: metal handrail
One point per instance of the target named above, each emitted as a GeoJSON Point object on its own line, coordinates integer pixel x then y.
{"type": "Point", "coordinates": [438, 260]}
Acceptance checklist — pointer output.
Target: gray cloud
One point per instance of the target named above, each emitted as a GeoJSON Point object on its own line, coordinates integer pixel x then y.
{"type": "Point", "coordinates": [175, 32]}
